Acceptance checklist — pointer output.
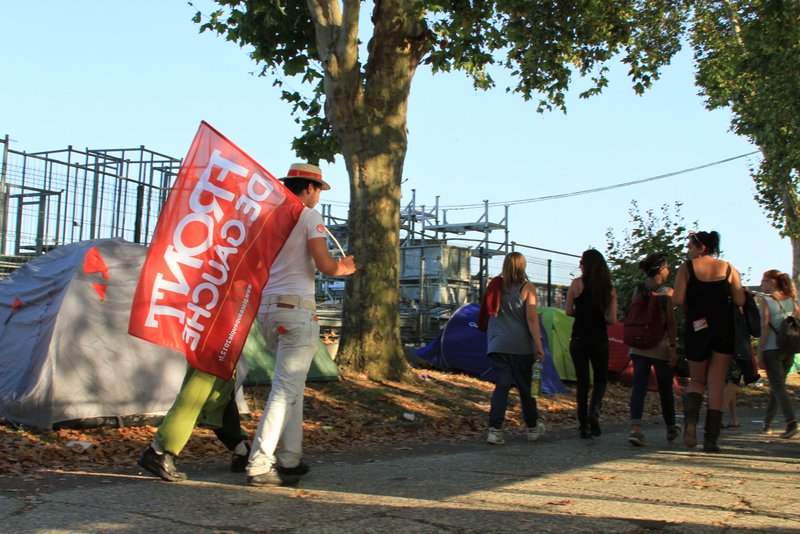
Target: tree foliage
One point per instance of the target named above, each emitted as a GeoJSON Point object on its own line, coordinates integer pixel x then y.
{"type": "Point", "coordinates": [349, 92]}
{"type": "Point", "coordinates": [544, 45]}
{"type": "Point", "coordinates": [748, 60]}
{"type": "Point", "coordinates": [652, 231]}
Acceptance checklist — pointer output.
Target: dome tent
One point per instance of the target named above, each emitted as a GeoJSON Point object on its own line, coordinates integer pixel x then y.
{"type": "Point", "coordinates": [65, 351]}
{"type": "Point", "coordinates": [461, 347]}
{"type": "Point", "coordinates": [261, 361]}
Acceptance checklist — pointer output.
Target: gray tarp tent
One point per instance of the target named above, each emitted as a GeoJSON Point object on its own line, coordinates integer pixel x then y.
{"type": "Point", "coordinates": [65, 351]}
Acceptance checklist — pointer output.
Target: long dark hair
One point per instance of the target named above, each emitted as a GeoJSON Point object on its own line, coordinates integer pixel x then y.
{"type": "Point", "coordinates": [596, 279]}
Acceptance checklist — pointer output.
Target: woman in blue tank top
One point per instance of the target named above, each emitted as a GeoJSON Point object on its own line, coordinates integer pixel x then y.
{"type": "Point", "coordinates": [592, 300]}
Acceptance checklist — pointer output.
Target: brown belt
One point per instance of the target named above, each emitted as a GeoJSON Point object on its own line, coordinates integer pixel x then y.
{"type": "Point", "coordinates": [291, 302]}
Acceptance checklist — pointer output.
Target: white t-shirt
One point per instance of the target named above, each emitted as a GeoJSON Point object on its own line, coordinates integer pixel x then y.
{"type": "Point", "coordinates": [293, 270]}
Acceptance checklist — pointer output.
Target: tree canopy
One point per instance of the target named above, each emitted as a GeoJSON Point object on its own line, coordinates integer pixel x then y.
{"type": "Point", "coordinates": [652, 231]}
{"type": "Point", "coordinates": [748, 60]}
{"type": "Point", "coordinates": [544, 45]}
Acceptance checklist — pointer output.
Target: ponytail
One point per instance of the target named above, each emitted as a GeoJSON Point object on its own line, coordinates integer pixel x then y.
{"type": "Point", "coordinates": [782, 282]}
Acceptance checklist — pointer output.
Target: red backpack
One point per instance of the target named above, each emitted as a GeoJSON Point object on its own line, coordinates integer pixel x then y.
{"type": "Point", "coordinates": [645, 323]}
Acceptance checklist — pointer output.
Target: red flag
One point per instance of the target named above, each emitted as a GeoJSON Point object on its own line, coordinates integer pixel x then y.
{"type": "Point", "coordinates": [221, 228]}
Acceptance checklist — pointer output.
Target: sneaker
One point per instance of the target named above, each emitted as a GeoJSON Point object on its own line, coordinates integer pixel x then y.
{"type": "Point", "coordinates": [495, 436]}
{"type": "Point", "coordinates": [791, 430]}
{"type": "Point", "coordinates": [273, 477]}
{"type": "Point", "coordinates": [299, 470]}
{"type": "Point", "coordinates": [536, 432]}
{"type": "Point", "coordinates": [673, 432]}
{"type": "Point", "coordinates": [161, 465]}
{"type": "Point", "coordinates": [585, 433]}
{"type": "Point", "coordinates": [636, 439]}
{"type": "Point", "coordinates": [765, 428]}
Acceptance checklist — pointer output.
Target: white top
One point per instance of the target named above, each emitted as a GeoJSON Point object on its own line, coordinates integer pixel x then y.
{"type": "Point", "coordinates": [292, 272]}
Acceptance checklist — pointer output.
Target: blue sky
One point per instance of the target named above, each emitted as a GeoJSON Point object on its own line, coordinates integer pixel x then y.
{"type": "Point", "coordinates": [101, 74]}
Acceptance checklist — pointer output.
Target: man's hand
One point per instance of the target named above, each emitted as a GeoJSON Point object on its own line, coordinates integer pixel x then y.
{"type": "Point", "coordinates": [347, 265]}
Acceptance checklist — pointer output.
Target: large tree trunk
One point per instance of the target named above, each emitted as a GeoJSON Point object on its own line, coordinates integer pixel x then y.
{"type": "Point", "coordinates": [368, 113]}
{"type": "Point", "coordinates": [371, 318]}
{"type": "Point", "coordinates": [791, 213]}
{"type": "Point", "coordinates": [793, 229]}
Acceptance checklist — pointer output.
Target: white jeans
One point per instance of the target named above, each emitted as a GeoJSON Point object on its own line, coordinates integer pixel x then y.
{"type": "Point", "coordinates": [292, 335]}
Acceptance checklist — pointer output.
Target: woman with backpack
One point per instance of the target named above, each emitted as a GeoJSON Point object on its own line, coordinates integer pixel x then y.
{"type": "Point", "coordinates": [592, 300]}
{"type": "Point", "coordinates": [660, 356]}
{"type": "Point", "coordinates": [705, 286]}
{"type": "Point", "coordinates": [779, 302]}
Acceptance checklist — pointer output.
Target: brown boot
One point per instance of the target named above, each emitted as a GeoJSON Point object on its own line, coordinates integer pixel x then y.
{"type": "Point", "coordinates": [691, 414]}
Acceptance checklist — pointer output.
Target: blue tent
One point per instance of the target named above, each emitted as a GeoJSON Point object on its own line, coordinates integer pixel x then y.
{"type": "Point", "coordinates": [461, 347]}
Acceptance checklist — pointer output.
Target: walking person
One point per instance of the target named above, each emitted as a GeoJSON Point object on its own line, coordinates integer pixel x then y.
{"type": "Point", "coordinates": [592, 300]}
{"type": "Point", "coordinates": [288, 321]}
{"type": "Point", "coordinates": [204, 400]}
{"type": "Point", "coordinates": [662, 357]}
{"type": "Point", "coordinates": [780, 300]}
{"type": "Point", "coordinates": [705, 286]}
{"type": "Point", "coordinates": [514, 343]}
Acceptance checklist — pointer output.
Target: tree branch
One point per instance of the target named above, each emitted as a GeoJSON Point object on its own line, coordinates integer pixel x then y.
{"type": "Point", "coordinates": [733, 17]}
{"type": "Point", "coordinates": [327, 19]}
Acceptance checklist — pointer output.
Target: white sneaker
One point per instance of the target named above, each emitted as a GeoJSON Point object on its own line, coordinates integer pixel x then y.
{"type": "Point", "coordinates": [495, 436]}
{"type": "Point", "coordinates": [536, 432]}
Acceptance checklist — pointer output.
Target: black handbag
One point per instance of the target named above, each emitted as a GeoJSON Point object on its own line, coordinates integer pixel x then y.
{"type": "Point", "coordinates": [747, 324]}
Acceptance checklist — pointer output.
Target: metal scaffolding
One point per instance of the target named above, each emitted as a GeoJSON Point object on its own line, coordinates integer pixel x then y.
{"type": "Point", "coordinates": [57, 197]}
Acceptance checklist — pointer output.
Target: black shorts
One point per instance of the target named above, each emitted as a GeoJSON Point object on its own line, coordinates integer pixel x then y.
{"type": "Point", "coordinates": [717, 337]}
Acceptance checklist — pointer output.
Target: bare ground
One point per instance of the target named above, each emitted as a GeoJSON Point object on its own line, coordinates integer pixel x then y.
{"type": "Point", "coordinates": [345, 416]}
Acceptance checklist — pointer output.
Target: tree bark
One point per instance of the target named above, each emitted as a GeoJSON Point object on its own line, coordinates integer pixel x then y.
{"type": "Point", "coordinates": [368, 113]}
{"type": "Point", "coordinates": [371, 317]}
{"type": "Point", "coordinates": [792, 222]}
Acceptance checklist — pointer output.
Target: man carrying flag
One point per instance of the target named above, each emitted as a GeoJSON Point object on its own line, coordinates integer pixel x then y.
{"type": "Point", "coordinates": [289, 324]}
{"type": "Point", "coordinates": [222, 227]}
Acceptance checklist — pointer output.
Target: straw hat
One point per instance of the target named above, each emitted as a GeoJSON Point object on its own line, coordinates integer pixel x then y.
{"type": "Point", "coordinates": [308, 172]}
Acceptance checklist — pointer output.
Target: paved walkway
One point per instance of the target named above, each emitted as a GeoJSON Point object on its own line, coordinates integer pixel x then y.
{"type": "Point", "coordinates": [559, 484]}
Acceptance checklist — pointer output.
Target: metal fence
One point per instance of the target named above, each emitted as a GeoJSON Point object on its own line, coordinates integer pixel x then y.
{"type": "Point", "coordinates": [57, 197]}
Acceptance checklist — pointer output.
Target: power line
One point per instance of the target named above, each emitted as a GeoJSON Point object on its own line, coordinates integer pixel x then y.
{"type": "Point", "coordinates": [581, 192]}
{"type": "Point", "coordinates": [597, 189]}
